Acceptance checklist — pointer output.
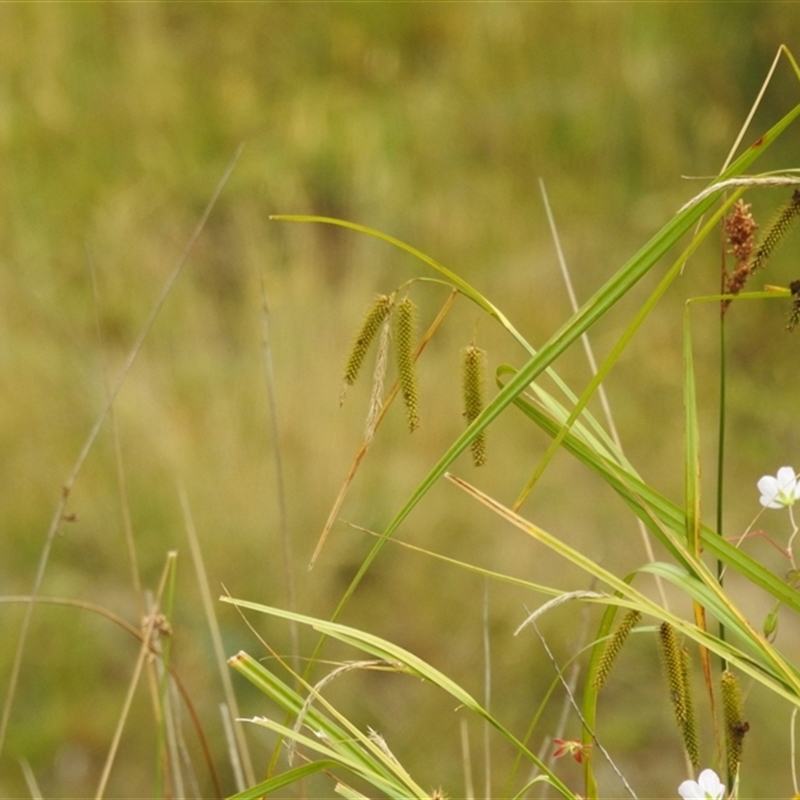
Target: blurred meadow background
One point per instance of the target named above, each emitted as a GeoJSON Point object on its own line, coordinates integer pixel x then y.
{"type": "Point", "coordinates": [433, 123]}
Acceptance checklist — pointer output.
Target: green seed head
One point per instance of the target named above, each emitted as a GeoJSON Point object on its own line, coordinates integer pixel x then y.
{"type": "Point", "coordinates": [366, 333]}
{"type": "Point", "coordinates": [614, 645]}
{"type": "Point", "coordinates": [676, 668]}
{"type": "Point", "coordinates": [735, 726]}
{"type": "Point", "coordinates": [404, 352]}
{"type": "Point", "coordinates": [689, 728]}
{"type": "Point", "coordinates": [673, 668]}
{"type": "Point", "coordinates": [472, 374]}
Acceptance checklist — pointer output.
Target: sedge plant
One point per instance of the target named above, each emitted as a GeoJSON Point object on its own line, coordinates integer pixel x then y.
{"type": "Point", "coordinates": [718, 641]}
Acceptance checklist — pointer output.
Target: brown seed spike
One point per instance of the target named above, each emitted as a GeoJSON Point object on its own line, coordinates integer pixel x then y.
{"type": "Point", "coordinates": [366, 333]}
{"type": "Point", "coordinates": [473, 365]}
{"type": "Point", "coordinates": [739, 230]}
{"type": "Point", "coordinates": [404, 352]}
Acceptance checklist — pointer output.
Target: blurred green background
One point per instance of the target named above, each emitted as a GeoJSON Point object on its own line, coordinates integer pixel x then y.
{"type": "Point", "coordinates": [432, 122]}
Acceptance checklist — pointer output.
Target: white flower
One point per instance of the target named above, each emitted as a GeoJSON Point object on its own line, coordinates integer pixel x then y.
{"type": "Point", "coordinates": [707, 786]}
{"type": "Point", "coordinates": [780, 491]}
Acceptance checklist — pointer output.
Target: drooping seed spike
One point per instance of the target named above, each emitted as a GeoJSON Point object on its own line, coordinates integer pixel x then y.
{"type": "Point", "coordinates": [674, 670]}
{"type": "Point", "coordinates": [404, 353]}
{"type": "Point", "coordinates": [370, 326]}
{"type": "Point", "coordinates": [735, 726]}
{"type": "Point", "coordinates": [614, 645]}
{"type": "Point", "coordinates": [676, 667]}
{"type": "Point", "coordinates": [472, 374]}
{"type": "Point", "coordinates": [776, 231]}
{"type": "Point", "coordinates": [689, 727]}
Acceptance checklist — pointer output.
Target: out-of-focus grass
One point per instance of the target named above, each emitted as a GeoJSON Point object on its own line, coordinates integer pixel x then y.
{"type": "Point", "coordinates": [431, 123]}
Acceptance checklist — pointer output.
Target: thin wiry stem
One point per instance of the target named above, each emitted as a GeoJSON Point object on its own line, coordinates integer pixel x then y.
{"type": "Point", "coordinates": [216, 635]}
{"type": "Point", "coordinates": [793, 750]}
{"type": "Point", "coordinates": [790, 543]}
{"type": "Point", "coordinates": [487, 691]}
{"type": "Point", "coordinates": [575, 706]}
{"type": "Point", "coordinates": [721, 466]}
{"type": "Point", "coordinates": [283, 514]}
{"type": "Point", "coordinates": [55, 523]}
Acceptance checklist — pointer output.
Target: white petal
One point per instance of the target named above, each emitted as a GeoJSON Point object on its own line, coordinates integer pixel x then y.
{"type": "Point", "coordinates": [690, 790]}
{"type": "Point", "coordinates": [711, 785]}
{"type": "Point", "coordinates": [768, 486]}
{"type": "Point", "coordinates": [786, 478]}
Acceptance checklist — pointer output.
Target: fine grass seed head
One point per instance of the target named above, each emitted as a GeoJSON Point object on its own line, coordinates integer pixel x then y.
{"type": "Point", "coordinates": [473, 367]}
{"type": "Point", "coordinates": [676, 668]}
{"type": "Point", "coordinates": [378, 312]}
{"type": "Point", "coordinates": [614, 645]}
{"type": "Point", "coordinates": [404, 353]}
{"type": "Point", "coordinates": [735, 726]}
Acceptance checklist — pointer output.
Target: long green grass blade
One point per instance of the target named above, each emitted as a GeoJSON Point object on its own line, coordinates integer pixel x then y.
{"type": "Point", "coordinates": [284, 779]}
{"type": "Point", "coordinates": [692, 441]}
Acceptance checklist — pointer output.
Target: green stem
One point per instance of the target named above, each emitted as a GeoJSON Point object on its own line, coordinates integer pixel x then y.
{"type": "Point", "coordinates": [721, 460]}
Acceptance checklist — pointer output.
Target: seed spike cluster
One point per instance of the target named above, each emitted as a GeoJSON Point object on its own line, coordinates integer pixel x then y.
{"type": "Point", "coordinates": [676, 667]}
{"type": "Point", "coordinates": [776, 231]}
{"type": "Point", "coordinates": [375, 317]}
{"type": "Point", "coordinates": [614, 645]}
{"type": "Point", "coordinates": [735, 726]}
{"type": "Point", "coordinates": [472, 374]}
{"type": "Point", "coordinates": [404, 354]}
